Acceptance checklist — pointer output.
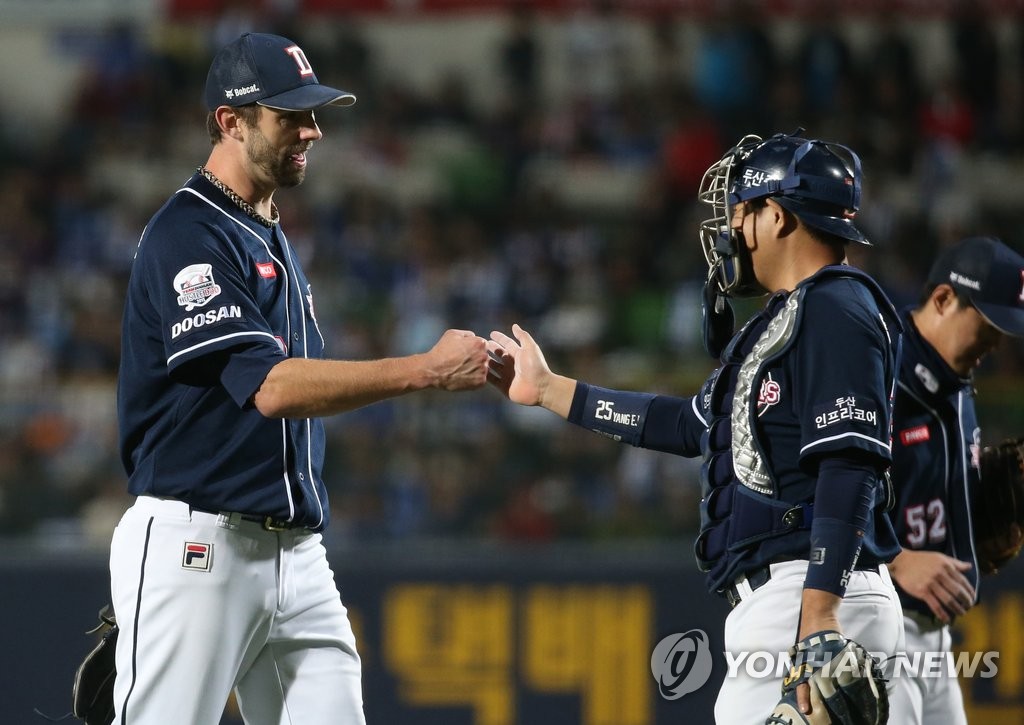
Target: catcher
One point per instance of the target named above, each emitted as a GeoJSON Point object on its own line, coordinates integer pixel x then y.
{"type": "Point", "coordinates": [793, 428]}
{"type": "Point", "coordinates": [959, 506]}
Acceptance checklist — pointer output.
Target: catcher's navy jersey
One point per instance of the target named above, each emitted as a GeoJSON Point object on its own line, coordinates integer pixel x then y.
{"type": "Point", "coordinates": [809, 377]}
{"type": "Point", "coordinates": [823, 386]}
{"type": "Point", "coordinates": [936, 442]}
{"type": "Point", "coordinates": [215, 300]}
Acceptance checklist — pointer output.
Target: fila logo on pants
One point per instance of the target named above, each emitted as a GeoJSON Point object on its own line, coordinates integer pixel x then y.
{"type": "Point", "coordinates": [197, 556]}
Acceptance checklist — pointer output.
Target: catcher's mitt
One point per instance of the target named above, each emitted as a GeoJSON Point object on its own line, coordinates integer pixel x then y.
{"type": "Point", "coordinates": [846, 684]}
{"type": "Point", "coordinates": [997, 505]}
{"type": "Point", "coordinates": [92, 698]}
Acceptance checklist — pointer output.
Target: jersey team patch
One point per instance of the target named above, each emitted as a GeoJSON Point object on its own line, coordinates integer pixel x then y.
{"type": "Point", "coordinates": [917, 434]}
{"type": "Point", "coordinates": [197, 556]}
{"type": "Point", "coordinates": [195, 286]}
{"type": "Point", "coordinates": [769, 394]}
{"type": "Point", "coordinates": [266, 270]}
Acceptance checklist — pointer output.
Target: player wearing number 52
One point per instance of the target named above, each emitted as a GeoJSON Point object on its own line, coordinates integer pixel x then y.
{"type": "Point", "coordinates": [973, 297]}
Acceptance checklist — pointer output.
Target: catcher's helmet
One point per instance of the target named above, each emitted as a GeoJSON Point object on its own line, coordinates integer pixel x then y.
{"type": "Point", "coordinates": [817, 181]}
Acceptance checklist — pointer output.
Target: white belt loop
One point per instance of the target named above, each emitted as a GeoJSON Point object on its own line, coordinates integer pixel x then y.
{"type": "Point", "coordinates": [227, 520]}
{"type": "Point", "coordinates": [743, 587]}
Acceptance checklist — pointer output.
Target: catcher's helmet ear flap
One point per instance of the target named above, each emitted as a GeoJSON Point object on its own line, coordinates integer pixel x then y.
{"type": "Point", "coordinates": [817, 181]}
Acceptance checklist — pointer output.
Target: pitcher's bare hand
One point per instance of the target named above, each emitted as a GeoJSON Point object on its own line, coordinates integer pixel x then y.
{"type": "Point", "coordinates": [458, 361]}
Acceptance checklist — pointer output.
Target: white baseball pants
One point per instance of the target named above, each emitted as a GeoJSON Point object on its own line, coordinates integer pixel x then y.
{"type": "Point", "coordinates": [206, 606]}
{"type": "Point", "coordinates": [766, 620]}
{"type": "Point", "coordinates": [930, 697]}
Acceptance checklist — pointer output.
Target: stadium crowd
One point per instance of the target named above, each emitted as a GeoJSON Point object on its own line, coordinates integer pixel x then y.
{"type": "Point", "coordinates": [573, 215]}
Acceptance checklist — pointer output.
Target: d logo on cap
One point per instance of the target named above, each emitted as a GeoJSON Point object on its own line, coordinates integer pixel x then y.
{"type": "Point", "coordinates": [269, 70]}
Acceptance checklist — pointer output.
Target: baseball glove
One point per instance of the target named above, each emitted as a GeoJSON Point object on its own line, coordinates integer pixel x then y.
{"type": "Point", "coordinates": [92, 698]}
{"type": "Point", "coordinates": [997, 506]}
{"type": "Point", "coordinates": [846, 684]}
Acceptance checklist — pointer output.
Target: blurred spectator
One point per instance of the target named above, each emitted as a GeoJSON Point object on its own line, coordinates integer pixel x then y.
{"type": "Point", "coordinates": [823, 61]}
{"type": "Point", "coordinates": [890, 97]}
{"type": "Point", "coordinates": [27, 495]}
{"type": "Point", "coordinates": [520, 56]}
{"type": "Point", "coordinates": [736, 61]}
{"type": "Point", "coordinates": [598, 59]}
{"type": "Point", "coordinates": [978, 61]}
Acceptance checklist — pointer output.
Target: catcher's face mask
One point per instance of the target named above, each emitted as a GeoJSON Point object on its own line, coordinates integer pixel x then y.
{"type": "Point", "coordinates": [729, 266]}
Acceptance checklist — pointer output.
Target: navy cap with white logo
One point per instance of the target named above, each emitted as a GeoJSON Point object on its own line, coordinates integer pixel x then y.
{"type": "Point", "coordinates": [271, 71]}
{"type": "Point", "coordinates": [991, 275]}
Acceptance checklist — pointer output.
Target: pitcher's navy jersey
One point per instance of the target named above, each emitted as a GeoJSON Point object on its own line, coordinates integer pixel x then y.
{"type": "Point", "coordinates": [936, 445]}
{"type": "Point", "coordinates": [819, 384]}
{"type": "Point", "coordinates": [215, 300]}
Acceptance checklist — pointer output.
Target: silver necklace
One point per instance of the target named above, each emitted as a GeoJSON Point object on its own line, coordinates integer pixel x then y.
{"type": "Point", "coordinates": [240, 202]}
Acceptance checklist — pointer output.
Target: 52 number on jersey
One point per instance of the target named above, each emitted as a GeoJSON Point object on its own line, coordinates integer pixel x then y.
{"type": "Point", "coordinates": [926, 523]}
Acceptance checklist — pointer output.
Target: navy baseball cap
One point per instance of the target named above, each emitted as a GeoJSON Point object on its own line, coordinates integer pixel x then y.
{"type": "Point", "coordinates": [991, 275]}
{"type": "Point", "coordinates": [271, 71]}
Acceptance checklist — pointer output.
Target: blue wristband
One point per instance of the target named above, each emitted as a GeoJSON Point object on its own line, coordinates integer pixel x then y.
{"type": "Point", "coordinates": [835, 546]}
{"type": "Point", "coordinates": [617, 414]}
{"type": "Point", "coordinates": [842, 509]}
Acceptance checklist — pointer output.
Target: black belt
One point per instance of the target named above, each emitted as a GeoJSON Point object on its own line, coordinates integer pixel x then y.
{"type": "Point", "coordinates": [267, 523]}
{"type": "Point", "coordinates": [757, 578]}
{"type": "Point", "coordinates": [929, 622]}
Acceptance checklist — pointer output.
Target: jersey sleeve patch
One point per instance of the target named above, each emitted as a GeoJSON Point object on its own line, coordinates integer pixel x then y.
{"type": "Point", "coordinates": [845, 409]}
{"type": "Point", "coordinates": [195, 286]}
